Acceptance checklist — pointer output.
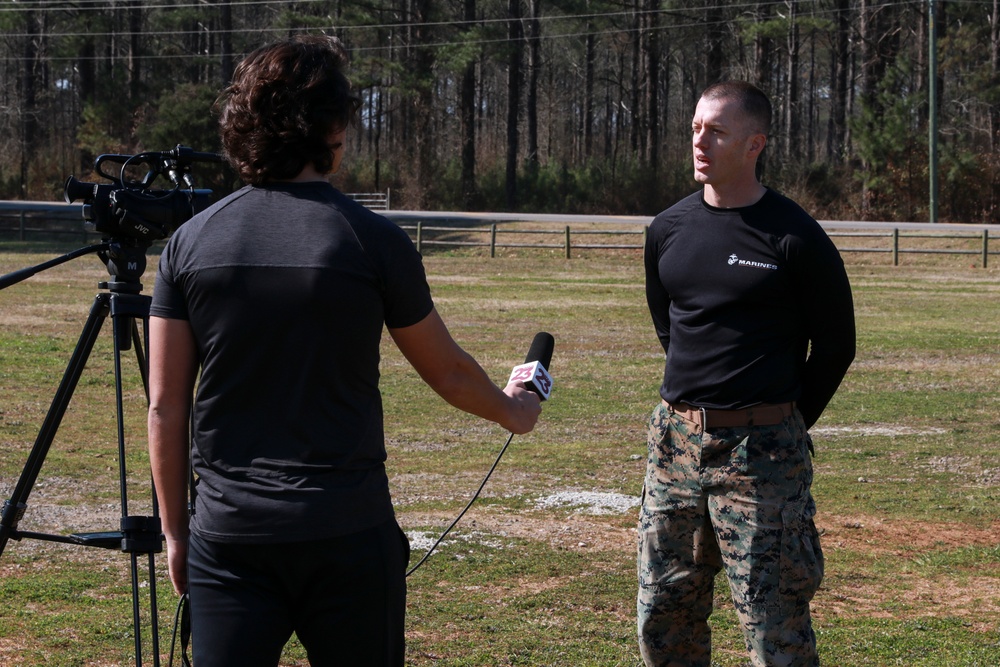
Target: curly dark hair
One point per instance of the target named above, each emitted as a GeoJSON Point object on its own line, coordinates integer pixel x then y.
{"type": "Point", "coordinates": [285, 102]}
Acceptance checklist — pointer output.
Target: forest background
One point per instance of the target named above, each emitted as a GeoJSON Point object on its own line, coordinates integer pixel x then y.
{"type": "Point", "coordinates": [569, 106]}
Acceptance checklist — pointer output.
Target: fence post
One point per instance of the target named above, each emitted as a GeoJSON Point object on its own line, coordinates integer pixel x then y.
{"type": "Point", "coordinates": [420, 233]}
{"type": "Point", "coordinates": [20, 219]}
{"type": "Point", "coordinates": [986, 247]}
{"type": "Point", "coordinates": [895, 246]}
{"type": "Point", "coordinates": [493, 240]}
{"type": "Point", "coordinates": [568, 252]}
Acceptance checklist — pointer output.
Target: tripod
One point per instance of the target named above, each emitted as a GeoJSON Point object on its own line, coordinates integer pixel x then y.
{"type": "Point", "coordinates": [137, 536]}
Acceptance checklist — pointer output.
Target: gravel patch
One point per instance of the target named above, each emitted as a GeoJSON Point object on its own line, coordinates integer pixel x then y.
{"type": "Point", "coordinates": [590, 502]}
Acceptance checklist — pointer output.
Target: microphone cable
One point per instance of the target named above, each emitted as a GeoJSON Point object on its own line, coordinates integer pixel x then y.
{"type": "Point", "coordinates": [537, 379]}
{"type": "Point", "coordinates": [462, 513]}
{"type": "Point", "coordinates": [182, 630]}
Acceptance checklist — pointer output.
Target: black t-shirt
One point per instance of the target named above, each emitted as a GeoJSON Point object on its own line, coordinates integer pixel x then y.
{"type": "Point", "coordinates": [751, 305]}
{"type": "Point", "coordinates": [287, 289]}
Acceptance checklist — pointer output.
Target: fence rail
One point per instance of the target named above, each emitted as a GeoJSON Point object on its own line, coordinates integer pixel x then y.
{"type": "Point", "coordinates": [425, 236]}
{"type": "Point", "coordinates": [983, 238]}
{"type": "Point", "coordinates": [494, 231]}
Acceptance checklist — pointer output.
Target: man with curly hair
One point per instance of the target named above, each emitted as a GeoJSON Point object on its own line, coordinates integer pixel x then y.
{"type": "Point", "coordinates": [271, 305]}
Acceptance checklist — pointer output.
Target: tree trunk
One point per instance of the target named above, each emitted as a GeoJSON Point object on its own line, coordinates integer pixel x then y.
{"type": "Point", "coordinates": [636, 82]}
{"type": "Point", "coordinates": [651, 64]}
{"type": "Point", "coordinates": [812, 127]}
{"type": "Point", "coordinates": [994, 112]}
{"type": "Point", "coordinates": [87, 87]}
{"type": "Point", "coordinates": [534, 67]}
{"type": "Point", "coordinates": [792, 110]}
{"type": "Point", "coordinates": [588, 92]}
{"type": "Point", "coordinates": [995, 69]}
{"type": "Point", "coordinates": [467, 104]}
{"type": "Point", "coordinates": [715, 36]}
{"type": "Point", "coordinates": [836, 147]}
{"type": "Point", "coordinates": [226, 44]}
{"type": "Point", "coordinates": [871, 68]}
{"type": "Point", "coordinates": [134, 58]}
{"type": "Point", "coordinates": [763, 46]}
{"type": "Point", "coordinates": [515, 42]}
{"type": "Point", "coordinates": [421, 65]}
{"type": "Point", "coordinates": [29, 118]}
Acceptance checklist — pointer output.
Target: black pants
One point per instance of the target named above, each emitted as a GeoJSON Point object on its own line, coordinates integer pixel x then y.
{"type": "Point", "coordinates": [344, 597]}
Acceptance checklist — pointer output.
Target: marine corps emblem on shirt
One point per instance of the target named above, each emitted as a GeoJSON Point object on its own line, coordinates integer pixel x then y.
{"type": "Point", "coordinates": [733, 259]}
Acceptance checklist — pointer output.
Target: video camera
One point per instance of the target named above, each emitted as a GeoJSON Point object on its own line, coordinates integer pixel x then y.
{"type": "Point", "coordinates": [130, 208]}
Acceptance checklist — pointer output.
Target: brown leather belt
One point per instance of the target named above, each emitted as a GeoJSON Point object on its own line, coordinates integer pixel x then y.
{"type": "Point", "coordinates": [766, 414]}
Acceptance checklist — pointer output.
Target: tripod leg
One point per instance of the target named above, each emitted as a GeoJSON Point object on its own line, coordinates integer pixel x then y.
{"type": "Point", "coordinates": [140, 343]}
{"type": "Point", "coordinates": [139, 534]}
{"type": "Point", "coordinates": [125, 310]}
{"type": "Point", "coordinates": [14, 507]}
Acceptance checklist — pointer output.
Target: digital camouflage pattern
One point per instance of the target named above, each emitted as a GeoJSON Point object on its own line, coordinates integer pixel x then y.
{"type": "Point", "coordinates": [732, 498]}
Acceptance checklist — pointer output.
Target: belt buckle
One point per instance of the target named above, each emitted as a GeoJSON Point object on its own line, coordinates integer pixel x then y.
{"type": "Point", "coordinates": [704, 418]}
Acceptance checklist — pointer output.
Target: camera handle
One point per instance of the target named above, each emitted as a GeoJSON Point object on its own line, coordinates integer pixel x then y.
{"type": "Point", "coordinates": [23, 274]}
{"type": "Point", "coordinates": [138, 534]}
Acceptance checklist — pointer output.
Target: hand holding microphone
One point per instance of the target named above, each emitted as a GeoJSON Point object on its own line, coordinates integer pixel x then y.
{"type": "Point", "coordinates": [534, 371]}
{"type": "Point", "coordinates": [530, 383]}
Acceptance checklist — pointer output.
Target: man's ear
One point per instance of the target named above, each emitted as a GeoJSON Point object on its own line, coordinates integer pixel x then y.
{"type": "Point", "coordinates": [756, 145]}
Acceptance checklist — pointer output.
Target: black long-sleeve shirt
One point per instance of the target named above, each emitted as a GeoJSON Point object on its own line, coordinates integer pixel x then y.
{"type": "Point", "coordinates": [752, 305]}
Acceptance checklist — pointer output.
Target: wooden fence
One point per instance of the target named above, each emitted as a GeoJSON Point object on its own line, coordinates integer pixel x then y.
{"type": "Point", "coordinates": [894, 240]}
{"type": "Point", "coordinates": [567, 234]}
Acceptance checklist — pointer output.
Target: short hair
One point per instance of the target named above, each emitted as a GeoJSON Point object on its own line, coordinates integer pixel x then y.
{"type": "Point", "coordinates": [285, 101]}
{"type": "Point", "coordinates": [753, 103]}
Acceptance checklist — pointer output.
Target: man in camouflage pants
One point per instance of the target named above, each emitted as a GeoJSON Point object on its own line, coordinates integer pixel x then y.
{"type": "Point", "coordinates": [753, 308]}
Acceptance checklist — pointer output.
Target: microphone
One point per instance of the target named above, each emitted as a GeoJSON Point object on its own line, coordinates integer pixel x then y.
{"type": "Point", "coordinates": [533, 372]}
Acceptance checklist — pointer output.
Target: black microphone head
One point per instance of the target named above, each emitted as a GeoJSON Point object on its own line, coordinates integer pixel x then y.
{"type": "Point", "coordinates": [541, 349]}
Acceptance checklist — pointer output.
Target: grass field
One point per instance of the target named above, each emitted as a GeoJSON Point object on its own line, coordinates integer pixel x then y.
{"type": "Point", "coordinates": [541, 571]}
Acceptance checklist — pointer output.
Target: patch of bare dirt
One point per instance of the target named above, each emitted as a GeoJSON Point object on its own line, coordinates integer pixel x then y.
{"type": "Point", "coordinates": [901, 538]}
{"type": "Point", "coordinates": [974, 599]}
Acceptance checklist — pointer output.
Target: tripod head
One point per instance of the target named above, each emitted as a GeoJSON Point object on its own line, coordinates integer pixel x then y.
{"type": "Point", "coordinates": [125, 260]}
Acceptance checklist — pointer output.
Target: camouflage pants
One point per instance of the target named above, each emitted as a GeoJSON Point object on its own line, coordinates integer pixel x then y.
{"type": "Point", "coordinates": [733, 498]}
